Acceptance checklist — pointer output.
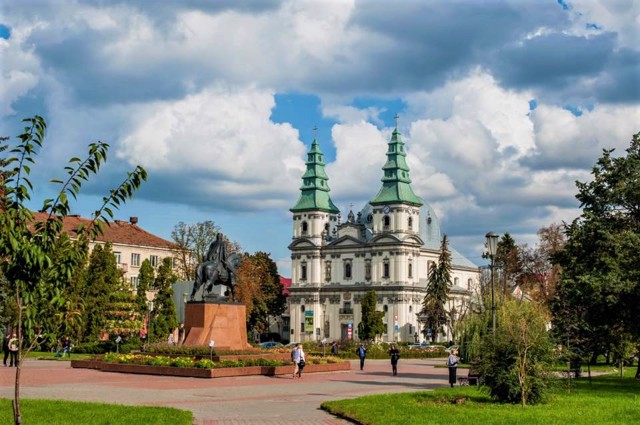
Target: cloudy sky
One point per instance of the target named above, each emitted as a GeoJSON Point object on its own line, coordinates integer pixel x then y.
{"type": "Point", "coordinates": [503, 105]}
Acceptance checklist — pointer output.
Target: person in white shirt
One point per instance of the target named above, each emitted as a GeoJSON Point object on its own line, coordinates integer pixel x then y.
{"type": "Point", "coordinates": [297, 356]}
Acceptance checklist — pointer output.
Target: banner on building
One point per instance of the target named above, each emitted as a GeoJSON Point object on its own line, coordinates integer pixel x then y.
{"type": "Point", "coordinates": [308, 322]}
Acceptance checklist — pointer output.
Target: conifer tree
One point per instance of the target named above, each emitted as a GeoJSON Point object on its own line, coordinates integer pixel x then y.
{"type": "Point", "coordinates": [164, 317]}
{"type": "Point", "coordinates": [433, 305]}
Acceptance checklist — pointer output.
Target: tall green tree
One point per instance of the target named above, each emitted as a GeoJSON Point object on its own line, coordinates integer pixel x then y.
{"type": "Point", "coordinates": [371, 324]}
{"type": "Point", "coordinates": [508, 260]}
{"type": "Point", "coordinates": [164, 316]}
{"type": "Point", "coordinates": [27, 246]}
{"type": "Point", "coordinates": [439, 281]}
{"type": "Point", "coordinates": [597, 303]}
{"type": "Point", "coordinates": [146, 277]}
{"type": "Point", "coordinates": [103, 278]}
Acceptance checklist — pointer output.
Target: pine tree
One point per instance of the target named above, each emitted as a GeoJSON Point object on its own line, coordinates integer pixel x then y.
{"type": "Point", "coordinates": [103, 278]}
{"type": "Point", "coordinates": [164, 318]}
{"type": "Point", "coordinates": [433, 305]}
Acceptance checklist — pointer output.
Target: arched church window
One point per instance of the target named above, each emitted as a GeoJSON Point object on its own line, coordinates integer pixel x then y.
{"type": "Point", "coordinates": [410, 269]}
{"type": "Point", "coordinates": [347, 269]}
{"type": "Point", "coordinates": [370, 218]}
{"type": "Point", "coordinates": [303, 271]}
{"type": "Point", "coordinates": [410, 223]}
{"type": "Point", "coordinates": [327, 270]}
{"type": "Point", "coordinates": [305, 227]}
{"type": "Point", "coordinates": [469, 282]}
{"type": "Point", "coordinates": [386, 221]}
{"type": "Point", "coordinates": [385, 308]}
{"type": "Point", "coordinates": [367, 269]}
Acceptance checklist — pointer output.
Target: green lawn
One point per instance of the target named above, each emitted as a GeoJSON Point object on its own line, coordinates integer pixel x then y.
{"type": "Point", "coordinates": [610, 400]}
{"type": "Point", "coordinates": [49, 355]}
{"type": "Point", "coordinates": [54, 412]}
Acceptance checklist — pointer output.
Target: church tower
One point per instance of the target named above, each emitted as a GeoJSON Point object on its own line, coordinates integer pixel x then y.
{"type": "Point", "coordinates": [396, 207]}
{"type": "Point", "coordinates": [314, 220]}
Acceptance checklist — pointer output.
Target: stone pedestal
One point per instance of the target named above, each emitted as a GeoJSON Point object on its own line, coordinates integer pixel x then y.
{"type": "Point", "coordinates": [225, 324]}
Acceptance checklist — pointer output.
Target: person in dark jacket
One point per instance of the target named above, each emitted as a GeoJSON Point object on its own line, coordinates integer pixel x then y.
{"type": "Point", "coordinates": [395, 356]}
{"type": "Point", "coordinates": [362, 354]}
{"type": "Point", "coordinates": [5, 348]}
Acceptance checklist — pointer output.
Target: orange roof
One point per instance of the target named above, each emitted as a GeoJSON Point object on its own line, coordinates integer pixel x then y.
{"type": "Point", "coordinates": [120, 232]}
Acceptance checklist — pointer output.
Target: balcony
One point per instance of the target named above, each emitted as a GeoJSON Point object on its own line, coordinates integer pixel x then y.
{"type": "Point", "coordinates": [345, 311]}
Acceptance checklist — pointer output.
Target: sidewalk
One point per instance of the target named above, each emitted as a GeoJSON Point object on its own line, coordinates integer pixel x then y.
{"type": "Point", "coordinates": [250, 400]}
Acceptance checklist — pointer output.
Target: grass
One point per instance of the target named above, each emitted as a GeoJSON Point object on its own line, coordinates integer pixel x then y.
{"type": "Point", "coordinates": [49, 355]}
{"type": "Point", "coordinates": [54, 412]}
{"type": "Point", "coordinates": [610, 400]}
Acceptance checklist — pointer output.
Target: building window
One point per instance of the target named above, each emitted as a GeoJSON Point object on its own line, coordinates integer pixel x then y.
{"type": "Point", "coordinates": [134, 282]}
{"type": "Point", "coordinates": [386, 221]}
{"type": "Point", "coordinates": [118, 257]}
{"type": "Point", "coordinates": [410, 223]}
{"type": "Point", "coordinates": [327, 270]}
{"type": "Point", "coordinates": [369, 218]}
{"type": "Point", "coordinates": [456, 281]}
{"type": "Point", "coordinates": [303, 271]}
{"type": "Point", "coordinates": [305, 227]}
{"type": "Point", "coordinates": [135, 260]}
{"type": "Point", "coordinates": [469, 282]}
{"type": "Point", "coordinates": [410, 268]}
{"type": "Point", "coordinates": [367, 269]}
{"type": "Point", "coordinates": [153, 259]}
{"type": "Point", "coordinates": [347, 269]}
{"type": "Point", "coordinates": [385, 308]}
{"type": "Point", "coordinates": [346, 308]}
{"type": "Point", "coordinates": [385, 269]}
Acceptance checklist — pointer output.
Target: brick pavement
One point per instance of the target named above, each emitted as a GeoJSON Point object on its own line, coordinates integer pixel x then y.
{"type": "Point", "coordinates": [250, 400]}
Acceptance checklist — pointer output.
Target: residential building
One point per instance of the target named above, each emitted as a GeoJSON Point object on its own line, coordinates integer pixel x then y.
{"type": "Point", "coordinates": [130, 243]}
{"type": "Point", "coordinates": [388, 246]}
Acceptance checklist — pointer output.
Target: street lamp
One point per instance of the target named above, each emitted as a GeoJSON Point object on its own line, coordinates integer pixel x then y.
{"type": "Point", "coordinates": [492, 245]}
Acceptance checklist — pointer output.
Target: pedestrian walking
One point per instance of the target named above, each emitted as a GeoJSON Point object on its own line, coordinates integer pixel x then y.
{"type": "Point", "coordinates": [298, 359]}
{"type": "Point", "coordinates": [395, 356]}
{"type": "Point", "coordinates": [452, 364]}
{"type": "Point", "coordinates": [13, 350]}
{"type": "Point", "coordinates": [362, 354]}
{"type": "Point", "coordinates": [334, 349]}
{"type": "Point", "coordinates": [5, 348]}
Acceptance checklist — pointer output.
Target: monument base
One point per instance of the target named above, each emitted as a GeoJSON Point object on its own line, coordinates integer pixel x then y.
{"type": "Point", "coordinates": [225, 324]}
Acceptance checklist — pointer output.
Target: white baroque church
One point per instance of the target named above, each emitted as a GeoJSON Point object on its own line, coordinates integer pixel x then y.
{"type": "Point", "coordinates": [388, 246]}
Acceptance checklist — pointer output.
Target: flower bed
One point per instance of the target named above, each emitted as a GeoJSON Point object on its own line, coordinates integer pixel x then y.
{"type": "Point", "coordinates": [204, 368]}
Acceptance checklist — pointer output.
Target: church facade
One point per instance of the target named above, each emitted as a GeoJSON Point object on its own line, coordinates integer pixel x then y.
{"type": "Point", "coordinates": [388, 246]}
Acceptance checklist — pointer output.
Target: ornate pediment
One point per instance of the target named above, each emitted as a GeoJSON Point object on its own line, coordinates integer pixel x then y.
{"type": "Point", "coordinates": [302, 243]}
{"type": "Point", "coordinates": [346, 241]}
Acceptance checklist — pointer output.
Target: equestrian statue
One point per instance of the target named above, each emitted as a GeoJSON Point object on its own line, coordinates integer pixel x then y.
{"type": "Point", "coordinates": [216, 269]}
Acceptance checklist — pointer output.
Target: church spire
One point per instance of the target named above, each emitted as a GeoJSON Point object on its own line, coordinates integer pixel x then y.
{"type": "Point", "coordinates": [396, 183]}
{"type": "Point", "coordinates": [314, 194]}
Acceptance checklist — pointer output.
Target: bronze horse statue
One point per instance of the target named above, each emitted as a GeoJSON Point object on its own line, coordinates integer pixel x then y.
{"type": "Point", "coordinates": [217, 269]}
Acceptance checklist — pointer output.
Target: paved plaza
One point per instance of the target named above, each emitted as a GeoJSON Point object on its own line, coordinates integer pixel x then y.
{"type": "Point", "coordinates": [251, 400]}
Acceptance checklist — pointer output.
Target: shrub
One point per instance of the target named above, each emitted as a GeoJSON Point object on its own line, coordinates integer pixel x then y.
{"type": "Point", "coordinates": [516, 359]}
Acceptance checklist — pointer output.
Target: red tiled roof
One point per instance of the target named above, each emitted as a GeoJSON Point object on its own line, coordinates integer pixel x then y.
{"type": "Point", "coordinates": [121, 232]}
{"type": "Point", "coordinates": [286, 283]}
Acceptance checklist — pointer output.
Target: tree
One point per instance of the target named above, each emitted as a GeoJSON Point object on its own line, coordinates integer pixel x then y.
{"type": "Point", "coordinates": [371, 324]}
{"type": "Point", "coordinates": [191, 243]}
{"type": "Point", "coordinates": [598, 296]}
{"type": "Point", "coordinates": [508, 259]}
{"type": "Point", "coordinates": [259, 288]}
{"type": "Point", "coordinates": [516, 359]}
{"type": "Point", "coordinates": [439, 281]}
{"type": "Point", "coordinates": [146, 277]}
{"type": "Point", "coordinates": [164, 318]}
{"type": "Point", "coordinates": [27, 246]}
{"type": "Point", "coordinates": [103, 278]}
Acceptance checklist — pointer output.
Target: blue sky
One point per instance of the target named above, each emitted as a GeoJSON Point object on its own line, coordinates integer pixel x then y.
{"type": "Point", "coordinates": [503, 105]}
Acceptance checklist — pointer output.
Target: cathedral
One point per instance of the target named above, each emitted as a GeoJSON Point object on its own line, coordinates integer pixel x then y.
{"type": "Point", "coordinates": [388, 246]}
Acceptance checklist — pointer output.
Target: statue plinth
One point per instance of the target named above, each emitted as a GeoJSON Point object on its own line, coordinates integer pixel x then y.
{"type": "Point", "coordinates": [223, 323]}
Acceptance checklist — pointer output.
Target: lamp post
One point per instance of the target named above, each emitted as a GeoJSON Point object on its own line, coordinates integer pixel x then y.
{"type": "Point", "coordinates": [492, 245]}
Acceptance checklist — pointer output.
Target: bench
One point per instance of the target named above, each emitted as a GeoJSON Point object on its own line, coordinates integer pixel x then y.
{"type": "Point", "coordinates": [472, 378]}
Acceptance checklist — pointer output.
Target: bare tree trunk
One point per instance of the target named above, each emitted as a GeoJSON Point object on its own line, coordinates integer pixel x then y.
{"type": "Point", "coordinates": [17, 418]}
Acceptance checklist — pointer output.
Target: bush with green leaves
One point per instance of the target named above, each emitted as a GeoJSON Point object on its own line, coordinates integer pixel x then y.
{"type": "Point", "coordinates": [516, 360]}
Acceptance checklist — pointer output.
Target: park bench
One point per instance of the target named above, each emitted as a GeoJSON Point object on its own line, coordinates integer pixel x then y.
{"type": "Point", "coordinates": [472, 378]}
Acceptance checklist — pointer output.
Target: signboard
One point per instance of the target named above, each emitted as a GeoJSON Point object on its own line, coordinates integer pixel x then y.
{"type": "Point", "coordinates": [308, 322]}
{"type": "Point", "coordinates": [350, 331]}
